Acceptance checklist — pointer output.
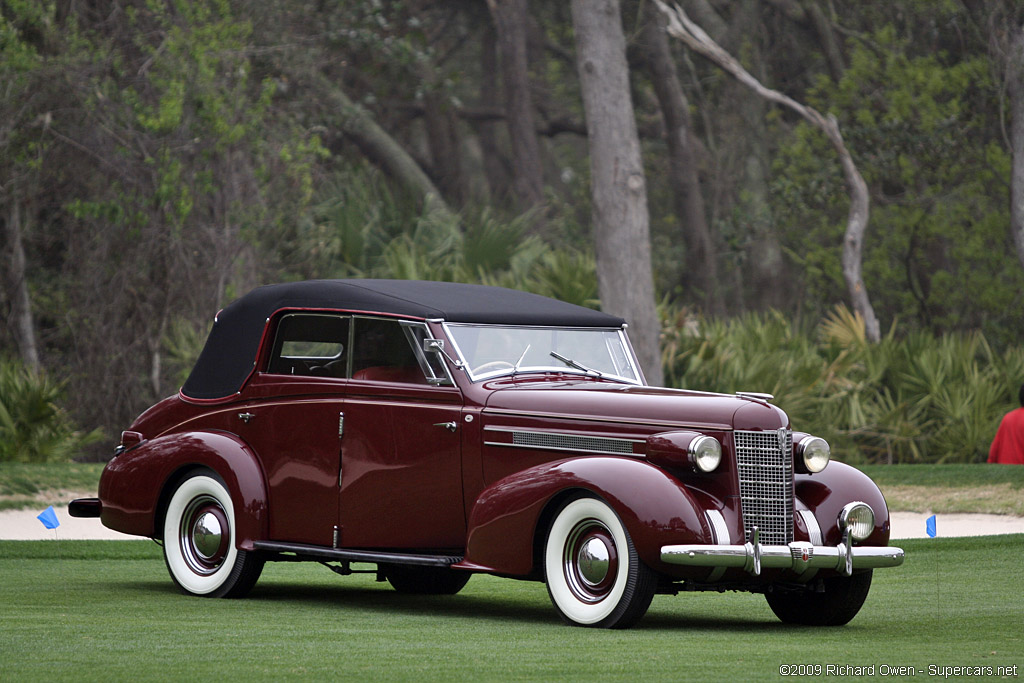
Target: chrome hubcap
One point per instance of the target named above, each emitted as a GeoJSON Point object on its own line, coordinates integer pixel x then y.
{"type": "Point", "coordinates": [590, 561]}
{"type": "Point", "coordinates": [204, 535]}
{"type": "Point", "coordinates": [593, 561]}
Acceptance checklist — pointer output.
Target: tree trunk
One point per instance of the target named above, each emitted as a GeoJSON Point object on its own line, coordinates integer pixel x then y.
{"type": "Point", "coordinates": [510, 21]}
{"type": "Point", "coordinates": [827, 37]}
{"type": "Point", "coordinates": [681, 27]}
{"type": "Point", "coordinates": [761, 283]}
{"type": "Point", "coordinates": [445, 155]}
{"type": "Point", "coordinates": [701, 276]}
{"type": "Point", "coordinates": [1015, 82]}
{"type": "Point", "coordinates": [383, 150]}
{"type": "Point", "coordinates": [618, 187]}
{"type": "Point", "coordinates": [810, 14]}
{"type": "Point", "coordinates": [764, 273]}
{"type": "Point", "coordinates": [499, 181]}
{"type": "Point", "coordinates": [16, 284]}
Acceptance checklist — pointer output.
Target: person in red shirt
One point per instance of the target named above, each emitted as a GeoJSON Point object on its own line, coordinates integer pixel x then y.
{"type": "Point", "coordinates": [1008, 446]}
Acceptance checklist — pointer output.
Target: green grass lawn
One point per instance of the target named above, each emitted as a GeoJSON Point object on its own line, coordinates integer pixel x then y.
{"type": "Point", "coordinates": [948, 476]}
{"type": "Point", "coordinates": [25, 485]}
{"type": "Point", "coordinates": [107, 610]}
{"type": "Point", "coordinates": [979, 487]}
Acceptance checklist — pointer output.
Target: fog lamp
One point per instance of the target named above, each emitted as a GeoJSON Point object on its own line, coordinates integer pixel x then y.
{"type": "Point", "coordinates": [859, 518]}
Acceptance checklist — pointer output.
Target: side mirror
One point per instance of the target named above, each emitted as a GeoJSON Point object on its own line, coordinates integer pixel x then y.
{"type": "Point", "coordinates": [437, 346]}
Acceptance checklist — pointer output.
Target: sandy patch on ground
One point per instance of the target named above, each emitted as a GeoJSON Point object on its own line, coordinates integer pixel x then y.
{"type": "Point", "coordinates": [912, 524]}
{"type": "Point", "coordinates": [22, 525]}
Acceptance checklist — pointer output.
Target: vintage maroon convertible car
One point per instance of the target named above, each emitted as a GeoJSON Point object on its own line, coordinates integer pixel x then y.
{"type": "Point", "coordinates": [437, 429]}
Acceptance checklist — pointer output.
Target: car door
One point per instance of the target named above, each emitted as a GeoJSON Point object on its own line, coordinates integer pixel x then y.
{"type": "Point", "coordinates": [293, 423]}
{"type": "Point", "coordinates": [401, 467]}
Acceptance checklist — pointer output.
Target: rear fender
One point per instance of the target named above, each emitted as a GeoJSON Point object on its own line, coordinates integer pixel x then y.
{"type": "Point", "coordinates": [826, 492]}
{"type": "Point", "coordinates": [136, 485]}
{"type": "Point", "coordinates": [513, 514]}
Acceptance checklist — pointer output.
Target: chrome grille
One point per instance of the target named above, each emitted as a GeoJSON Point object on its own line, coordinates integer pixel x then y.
{"type": "Point", "coordinates": [764, 461]}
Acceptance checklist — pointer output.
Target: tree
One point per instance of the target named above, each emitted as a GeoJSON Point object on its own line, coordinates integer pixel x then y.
{"type": "Point", "coordinates": [16, 286]}
{"type": "Point", "coordinates": [1004, 24]}
{"type": "Point", "coordinates": [618, 186]}
{"type": "Point", "coordinates": [738, 137]}
{"type": "Point", "coordinates": [683, 28]}
{"type": "Point", "coordinates": [510, 22]}
{"type": "Point", "coordinates": [701, 273]}
{"type": "Point", "coordinates": [382, 149]}
{"type": "Point", "coordinates": [22, 129]}
{"type": "Point", "coordinates": [1015, 83]}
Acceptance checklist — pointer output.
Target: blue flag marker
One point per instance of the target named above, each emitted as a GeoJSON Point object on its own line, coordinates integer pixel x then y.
{"type": "Point", "coordinates": [49, 518]}
{"type": "Point", "coordinates": [929, 526]}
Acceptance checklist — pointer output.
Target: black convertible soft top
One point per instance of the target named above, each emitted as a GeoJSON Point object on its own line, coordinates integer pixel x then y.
{"type": "Point", "coordinates": [229, 356]}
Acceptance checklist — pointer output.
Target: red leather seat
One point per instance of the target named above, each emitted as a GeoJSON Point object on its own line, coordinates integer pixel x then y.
{"type": "Point", "coordinates": [380, 373]}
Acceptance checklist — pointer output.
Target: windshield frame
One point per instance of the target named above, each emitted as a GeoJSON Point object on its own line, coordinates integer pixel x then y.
{"type": "Point", "coordinates": [555, 366]}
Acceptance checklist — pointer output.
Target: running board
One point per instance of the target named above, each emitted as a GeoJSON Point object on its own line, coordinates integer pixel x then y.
{"type": "Point", "coordinates": [376, 556]}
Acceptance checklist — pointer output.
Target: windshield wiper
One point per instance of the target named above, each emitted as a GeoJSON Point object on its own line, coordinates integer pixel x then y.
{"type": "Point", "coordinates": [515, 368]}
{"type": "Point", "coordinates": [573, 364]}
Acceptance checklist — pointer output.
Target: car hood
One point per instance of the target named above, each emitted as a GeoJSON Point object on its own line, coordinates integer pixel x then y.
{"type": "Point", "coordinates": [656, 406]}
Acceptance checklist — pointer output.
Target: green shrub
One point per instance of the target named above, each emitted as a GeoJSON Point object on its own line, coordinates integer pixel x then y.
{"type": "Point", "coordinates": [916, 398]}
{"type": "Point", "coordinates": [33, 428]}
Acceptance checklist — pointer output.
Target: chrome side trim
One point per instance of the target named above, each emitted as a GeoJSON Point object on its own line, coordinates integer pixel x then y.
{"type": "Point", "coordinates": [720, 533]}
{"type": "Point", "coordinates": [813, 530]}
{"type": "Point", "coordinates": [797, 556]}
{"type": "Point", "coordinates": [716, 520]}
{"type": "Point", "coordinates": [560, 441]}
{"type": "Point", "coordinates": [633, 422]}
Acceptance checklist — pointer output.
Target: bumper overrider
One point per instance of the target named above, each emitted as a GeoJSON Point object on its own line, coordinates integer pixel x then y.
{"type": "Point", "coordinates": [855, 521]}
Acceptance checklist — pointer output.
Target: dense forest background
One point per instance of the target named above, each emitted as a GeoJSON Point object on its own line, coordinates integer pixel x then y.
{"type": "Point", "coordinates": [159, 158]}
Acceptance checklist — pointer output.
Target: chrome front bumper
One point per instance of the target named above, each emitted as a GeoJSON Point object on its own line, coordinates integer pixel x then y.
{"type": "Point", "coordinates": [798, 556]}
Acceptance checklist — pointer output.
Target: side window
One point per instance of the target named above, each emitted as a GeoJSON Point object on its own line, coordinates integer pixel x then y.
{"type": "Point", "coordinates": [383, 351]}
{"type": "Point", "coordinates": [310, 344]}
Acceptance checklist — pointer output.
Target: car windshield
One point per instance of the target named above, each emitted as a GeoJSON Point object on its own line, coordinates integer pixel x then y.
{"type": "Point", "coordinates": [493, 350]}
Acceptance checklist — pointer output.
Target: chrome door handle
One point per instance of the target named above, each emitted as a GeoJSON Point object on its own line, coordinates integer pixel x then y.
{"type": "Point", "coordinates": [245, 417]}
{"type": "Point", "coordinates": [450, 426]}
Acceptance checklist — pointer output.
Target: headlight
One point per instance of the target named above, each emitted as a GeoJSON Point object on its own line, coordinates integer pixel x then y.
{"type": "Point", "coordinates": [859, 518]}
{"type": "Point", "coordinates": [815, 453]}
{"type": "Point", "coordinates": [705, 452]}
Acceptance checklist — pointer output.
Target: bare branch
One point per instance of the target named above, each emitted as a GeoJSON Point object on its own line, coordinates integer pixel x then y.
{"type": "Point", "coordinates": [680, 26]}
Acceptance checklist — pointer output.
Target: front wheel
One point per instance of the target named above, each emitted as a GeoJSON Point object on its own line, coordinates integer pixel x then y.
{"type": "Point", "coordinates": [199, 541]}
{"type": "Point", "coordinates": [593, 573]}
{"type": "Point", "coordinates": [836, 605]}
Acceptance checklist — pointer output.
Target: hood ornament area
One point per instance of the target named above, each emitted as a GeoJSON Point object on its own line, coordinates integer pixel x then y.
{"type": "Point", "coordinates": [756, 395]}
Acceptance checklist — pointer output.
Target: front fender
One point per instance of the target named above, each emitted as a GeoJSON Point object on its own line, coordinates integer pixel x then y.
{"type": "Point", "coordinates": [826, 492]}
{"type": "Point", "coordinates": [134, 483]}
{"type": "Point", "coordinates": [512, 513]}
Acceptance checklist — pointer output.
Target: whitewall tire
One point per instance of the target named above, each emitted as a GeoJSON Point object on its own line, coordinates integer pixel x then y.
{"type": "Point", "coordinates": [593, 573]}
{"type": "Point", "coordinates": [199, 540]}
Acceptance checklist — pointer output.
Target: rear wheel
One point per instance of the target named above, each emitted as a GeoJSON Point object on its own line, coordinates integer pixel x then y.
{"type": "Point", "coordinates": [837, 605]}
{"type": "Point", "coordinates": [199, 540]}
{"type": "Point", "coordinates": [594, 575]}
{"type": "Point", "coordinates": [413, 579]}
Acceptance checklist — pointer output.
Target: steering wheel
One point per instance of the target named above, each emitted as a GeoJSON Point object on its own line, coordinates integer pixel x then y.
{"type": "Point", "coordinates": [494, 365]}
